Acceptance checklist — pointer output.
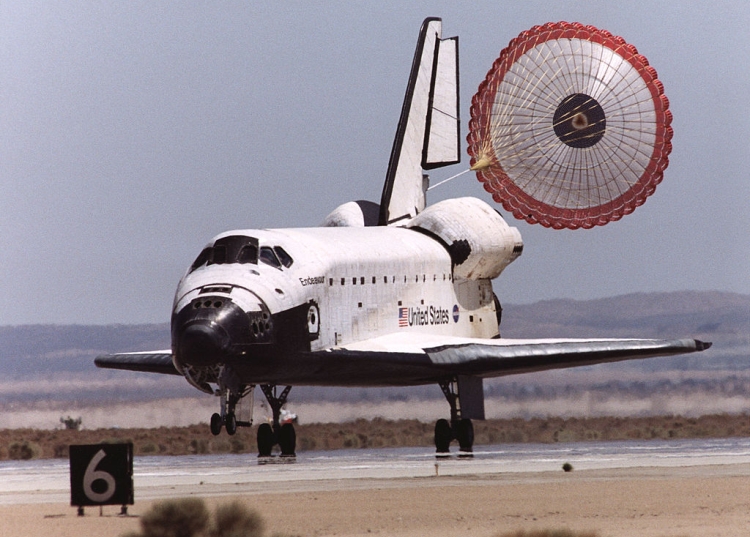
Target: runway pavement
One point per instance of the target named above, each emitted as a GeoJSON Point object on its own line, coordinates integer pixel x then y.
{"type": "Point", "coordinates": [47, 481]}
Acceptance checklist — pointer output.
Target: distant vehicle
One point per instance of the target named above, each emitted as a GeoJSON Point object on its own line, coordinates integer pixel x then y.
{"type": "Point", "coordinates": [395, 294]}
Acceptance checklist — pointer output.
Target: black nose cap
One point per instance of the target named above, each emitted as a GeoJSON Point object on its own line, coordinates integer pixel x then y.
{"type": "Point", "coordinates": [203, 344]}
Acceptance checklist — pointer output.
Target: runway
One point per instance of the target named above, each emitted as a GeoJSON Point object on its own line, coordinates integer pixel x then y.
{"type": "Point", "coordinates": [47, 481]}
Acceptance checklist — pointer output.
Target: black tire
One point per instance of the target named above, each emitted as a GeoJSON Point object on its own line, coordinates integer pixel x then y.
{"type": "Point", "coordinates": [231, 423]}
{"type": "Point", "coordinates": [287, 440]}
{"type": "Point", "coordinates": [216, 424]}
{"type": "Point", "coordinates": [465, 435]}
{"type": "Point", "coordinates": [265, 440]}
{"type": "Point", "coordinates": [443, 436]}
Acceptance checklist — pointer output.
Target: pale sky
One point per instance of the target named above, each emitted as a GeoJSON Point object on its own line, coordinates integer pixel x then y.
{"type": "Point", "coordinates": [132, 132]}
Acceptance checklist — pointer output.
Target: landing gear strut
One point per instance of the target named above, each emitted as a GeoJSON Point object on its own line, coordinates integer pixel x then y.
{"type": "Point", "coordinates": [458, 428]}
{"type": "Point", "coordinates": [230, 392]}
{"type": "Point", "coordinates": [275, 433]}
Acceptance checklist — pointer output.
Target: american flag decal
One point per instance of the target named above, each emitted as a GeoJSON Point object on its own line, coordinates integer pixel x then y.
{"type": "Point", "coordinates": [403, 317]}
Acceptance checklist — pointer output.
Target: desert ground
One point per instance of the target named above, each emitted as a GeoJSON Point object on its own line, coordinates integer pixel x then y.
{"type": "Point", "coordinates": [696, 501]}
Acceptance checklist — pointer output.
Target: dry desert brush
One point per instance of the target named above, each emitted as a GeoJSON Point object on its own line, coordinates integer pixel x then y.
{"type": "Point", "coordinates": [189, 517]}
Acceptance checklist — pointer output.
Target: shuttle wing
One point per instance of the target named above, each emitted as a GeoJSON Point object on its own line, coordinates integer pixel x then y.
{"type": "Point", "coordinates": [449, 356]}
{"type": "Point", "coordinates": [500, 357]}
{"type": "Point", "coordinates": [147, 362]}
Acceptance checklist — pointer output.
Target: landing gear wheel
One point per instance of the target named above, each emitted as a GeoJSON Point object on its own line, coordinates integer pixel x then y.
{"type": "Point", "coordinates": [216, 424]}
{"type": "Point", "coordinates": [443, 436]}
{"type": "Point", "coordinates": [231, 423]}
{"type": "Point", "coordinates": [231, 391]}
{"type": "Point", "coordinates": [465, 435]}
{"type": "Point", "coordinates": [265, 440]}
{"type": "Point", "coordinates": [287, 440]}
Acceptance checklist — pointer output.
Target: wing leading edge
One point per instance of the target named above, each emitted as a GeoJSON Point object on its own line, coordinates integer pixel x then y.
{"type": "Point", "coordinates": [147, 362]}
{"type": "Point", "coordinates": [500, 357]}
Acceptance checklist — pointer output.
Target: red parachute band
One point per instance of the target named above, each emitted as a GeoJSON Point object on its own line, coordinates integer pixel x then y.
{"type": "Point", "coordinates": [570, 128]}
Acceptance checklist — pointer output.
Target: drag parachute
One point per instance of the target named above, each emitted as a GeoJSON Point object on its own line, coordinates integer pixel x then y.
{"type": "Point", "coordinates": [570, 128]}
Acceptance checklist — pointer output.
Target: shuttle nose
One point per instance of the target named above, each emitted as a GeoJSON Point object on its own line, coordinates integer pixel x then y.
{"type": "Point", "coordinates": [209, 330]}
{"type": "Point", "coordinates": [202, 343]}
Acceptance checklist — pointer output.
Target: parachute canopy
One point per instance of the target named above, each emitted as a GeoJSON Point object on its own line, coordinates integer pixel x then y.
{"type": "Point", "coordinates": [570, 128]}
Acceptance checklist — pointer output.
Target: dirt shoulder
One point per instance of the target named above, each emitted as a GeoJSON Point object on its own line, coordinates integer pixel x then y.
{"type": "Point", "coordinates": [705, 501]}
{"type": "Point", "coordinates": [376, 433]}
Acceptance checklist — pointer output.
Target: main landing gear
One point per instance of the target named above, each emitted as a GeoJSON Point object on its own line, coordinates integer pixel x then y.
{"type": "Point", "coordinates": [271, 434]}
{"type": "Point", "coordinates": [460, 429]}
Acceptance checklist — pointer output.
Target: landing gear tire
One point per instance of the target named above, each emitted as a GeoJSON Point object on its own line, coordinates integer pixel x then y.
{"type": "Point", "coordinates": [265, 440]}
{"type": "Point", "coordinates": [287, 440]}
{"type": "Point", "coordinates": [231, 424]}
{"type": "Point", "coordinates": [465, 435]}
{"type": "Point", "coordinates": [443, 436]}
{"type": "Point", "coordinates": [216, 424]}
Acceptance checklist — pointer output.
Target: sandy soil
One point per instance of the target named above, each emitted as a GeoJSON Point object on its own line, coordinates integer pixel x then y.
{"type": "Point", "coordinates": [700, 501]}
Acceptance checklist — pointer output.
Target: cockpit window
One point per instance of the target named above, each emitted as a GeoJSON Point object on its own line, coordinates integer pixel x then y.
{"type": "Point", "coordinates": [269, 257]}
{"type": "Point", "coordinates": [284, 257]}
{"type": "Point", "coordinates": [248, 254]}
{"type": "Point", "coordinates": [242, 250]}
{"type": "Point", "coordinates": [220, 255]}
{"type": "Point", "coordinates": [201, 259]}
{"type": "Point", "coordinates": [227, 250]}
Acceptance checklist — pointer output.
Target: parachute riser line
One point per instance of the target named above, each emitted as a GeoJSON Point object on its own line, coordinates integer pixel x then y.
{"type": "Point", "coordinates": [449, 179]}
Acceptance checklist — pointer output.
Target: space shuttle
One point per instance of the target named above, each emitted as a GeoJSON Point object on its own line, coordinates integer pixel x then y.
{"type": "Point", "coordinates": [397, 293]}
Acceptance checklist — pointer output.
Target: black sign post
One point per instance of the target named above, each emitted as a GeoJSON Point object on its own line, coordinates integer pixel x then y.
{"type": "Point", "coordinates": [101, 474]}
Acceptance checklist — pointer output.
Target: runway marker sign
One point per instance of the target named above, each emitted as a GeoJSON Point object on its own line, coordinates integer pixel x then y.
{"type": "Point", "coordinates": [101, 474]}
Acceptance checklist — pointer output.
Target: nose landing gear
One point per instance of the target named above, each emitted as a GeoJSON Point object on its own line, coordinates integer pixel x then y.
{"type": "Point", "coordinates": [231, 393]}
{"type": "Point", "coordinates": [228, 418]}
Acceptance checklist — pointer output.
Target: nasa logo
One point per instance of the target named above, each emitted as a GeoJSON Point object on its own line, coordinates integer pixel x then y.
{"type": "Point", "coordinates": [455, 313]}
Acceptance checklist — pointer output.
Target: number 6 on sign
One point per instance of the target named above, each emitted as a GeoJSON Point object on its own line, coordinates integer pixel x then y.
{"type": "Point", "coordinates": [101, 474]}
{"type": "Point", "coordinates": [92, 475]}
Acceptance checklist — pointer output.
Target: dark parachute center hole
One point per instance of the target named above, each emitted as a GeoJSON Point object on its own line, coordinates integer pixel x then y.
{"type": "Point", "coordinates": [579, 121]}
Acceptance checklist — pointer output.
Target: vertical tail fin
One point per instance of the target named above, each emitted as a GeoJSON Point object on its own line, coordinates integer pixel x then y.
{"type": "Point", "coordinates": [428, 130]}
